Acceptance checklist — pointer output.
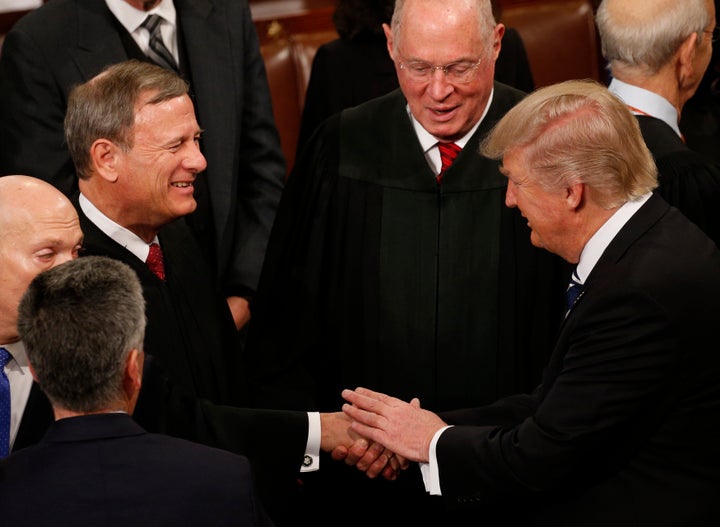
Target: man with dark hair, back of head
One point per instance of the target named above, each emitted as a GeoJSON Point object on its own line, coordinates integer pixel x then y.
{"type": "Point", "coordinates": [83, 324]}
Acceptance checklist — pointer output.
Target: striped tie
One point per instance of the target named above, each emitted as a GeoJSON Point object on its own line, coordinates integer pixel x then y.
{"type": "Point", "coordinates": [448, 153]}
{"type": "Point", "coordinates": [158, 52]}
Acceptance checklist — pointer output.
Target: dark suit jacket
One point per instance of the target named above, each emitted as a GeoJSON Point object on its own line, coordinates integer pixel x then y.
{"type": "Point", "coordinates": [687, 179]}
{"type": "Point", "coordinates": [106, 470]}
{"type": "Point", "coordinates": [36, 418]}
{"type": "Point", "coordinates": [67, 42]}
{"type": "Point", "coordinates": [347, 72]}
{"type": "Point", "coordinates": [624, 429]}
{"type": "Point", "coordinates": [193, 384]}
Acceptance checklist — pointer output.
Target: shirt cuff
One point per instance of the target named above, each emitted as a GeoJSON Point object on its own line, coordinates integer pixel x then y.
{"type": "Point", "coordinates": [430, 471]}
{"type": "Point", "coordinates": [311, 460]}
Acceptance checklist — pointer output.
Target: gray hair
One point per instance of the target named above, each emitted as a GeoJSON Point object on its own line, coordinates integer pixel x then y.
{"type": "Point", "coordinates": [104, 107]}
{"type": "Point", "coordinates": [645, 34]}
{"type": "Point", "coordinates": [78, 322]}
{"type": "Point", "coordinates": [486, 21]}
{"type": "Point", "coordinates": [577, 132]}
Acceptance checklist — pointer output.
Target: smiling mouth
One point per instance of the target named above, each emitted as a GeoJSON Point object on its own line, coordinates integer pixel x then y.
{"type": "Point", "coordinates": [182, 184]}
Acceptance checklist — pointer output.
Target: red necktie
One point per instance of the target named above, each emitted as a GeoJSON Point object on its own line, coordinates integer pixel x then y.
{"type": "Point", "coordinates": [448, 153]}
{"type": "Point", "coordinates": [155, 261]}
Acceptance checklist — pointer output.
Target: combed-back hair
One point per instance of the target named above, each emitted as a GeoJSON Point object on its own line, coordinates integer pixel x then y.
{"type": "Point", "coordinates": [105, 106]}
{"type": "Point", "coordinates": [577, 132]}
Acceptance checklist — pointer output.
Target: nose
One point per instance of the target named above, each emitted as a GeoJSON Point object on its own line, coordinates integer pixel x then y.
{"type": "Point", "coordinates": [510, 197]}
{"type": "Point", "coordinates": [439, 86]}
{"type": "Point", "coordinates": [195, 161]}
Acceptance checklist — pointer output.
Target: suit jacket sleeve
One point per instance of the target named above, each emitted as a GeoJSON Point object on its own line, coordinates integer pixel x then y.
{"type": "Point", "coordinates": [261, 169]}
{"type": "Point", "coordinates": [32, 106]}
{"type": "Point", "coordinates": [591, 417]}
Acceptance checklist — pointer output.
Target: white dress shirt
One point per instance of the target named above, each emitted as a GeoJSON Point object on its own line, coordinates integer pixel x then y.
{"type": "Point", "coordinates": [132, 18]}
{"type": "Point", "coordinates": [644, 102]}
{"type": "Point", "coordinates": [429, 142]}
{"type": "Point", "coordinates": [18, 373]}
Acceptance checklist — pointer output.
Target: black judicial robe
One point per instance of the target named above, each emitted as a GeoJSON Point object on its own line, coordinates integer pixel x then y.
{"type": "Point", "coordinates": [376, 276]}
{"type": "Point", "coordinates": [193, 387]}
{"type": "Point", "coordinates": [688, 180]}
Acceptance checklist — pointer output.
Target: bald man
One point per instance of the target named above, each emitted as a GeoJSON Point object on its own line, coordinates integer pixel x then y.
{"type": "Point", "coordinates": [658, 52]}
{"type": "Point", "coordinates": [39, 229]}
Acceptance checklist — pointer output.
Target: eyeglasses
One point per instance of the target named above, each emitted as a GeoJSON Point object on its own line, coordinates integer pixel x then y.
{"type": "Point", "coordinates": [715, 34]}
{"type": "Point", "coordinates": [460, 72]}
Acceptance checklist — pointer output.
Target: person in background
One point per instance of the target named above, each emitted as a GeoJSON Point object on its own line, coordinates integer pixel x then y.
{"type": "Point", "coordinates": [357, 67]}
{"type": "Point", "coordinates": [82, 324]}
{"type": "Point", "coordinates": [384, 270]}
{"type": "Point", "coordinates": [133, 136]}
{"type": "Point", "coordinates": [39, 229]}
{"type": "Point", "coordinates": [658, 52]}
{"type": "Point", "coordinates": [700, 119]}
{"type": "Point", "coordinates": [214, 46]}
{"type": "Point", "coordinates": [624, 427]}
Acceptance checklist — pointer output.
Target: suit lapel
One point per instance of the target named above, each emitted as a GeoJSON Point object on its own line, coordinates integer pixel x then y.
{"type": "Point", "coordinates": [98, 42]}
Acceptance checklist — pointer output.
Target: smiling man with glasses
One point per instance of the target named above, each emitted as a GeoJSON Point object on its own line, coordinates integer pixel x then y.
{"type": "Point", "coordinates": [381, 273]}
{"type": "Point", "coordinates": [658, 51]}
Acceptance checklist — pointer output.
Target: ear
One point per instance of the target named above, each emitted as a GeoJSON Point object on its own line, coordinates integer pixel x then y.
{"type": "Point", "coordinates": [132, 380]}
{"type": "Point", "coordinates": [497, 39]}
{"type": "Point", "coordinates": [686, 58]}
{"type": "Point", "coordinates": [574, 195]}
{"type": "Point", "coordinates": [104, 158]}
{"type": "Point", "coordinates": [389, 38]}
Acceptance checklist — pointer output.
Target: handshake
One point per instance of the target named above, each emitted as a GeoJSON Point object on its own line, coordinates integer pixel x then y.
{"type": "Point", "coordinates": [379, 434]}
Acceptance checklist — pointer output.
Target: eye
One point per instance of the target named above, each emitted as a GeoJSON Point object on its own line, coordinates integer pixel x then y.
{"type": "Point", "coordinates": [458, 68]}
{"type": "Point", "coordinates": [420, 67]}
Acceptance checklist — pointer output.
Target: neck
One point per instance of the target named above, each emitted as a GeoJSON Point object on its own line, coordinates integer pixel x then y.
{"type": "Point", "coordinates": [663, 83]}
{"type": "Point", "coordinates": [63, 413]}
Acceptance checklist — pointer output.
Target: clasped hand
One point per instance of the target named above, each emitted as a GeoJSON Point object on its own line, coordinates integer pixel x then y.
{"type": "Point", "coordinates": [346, 445]}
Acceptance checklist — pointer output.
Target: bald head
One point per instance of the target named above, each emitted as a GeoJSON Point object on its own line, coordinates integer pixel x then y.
{"type": "Point", "coordinates": [39, 229]}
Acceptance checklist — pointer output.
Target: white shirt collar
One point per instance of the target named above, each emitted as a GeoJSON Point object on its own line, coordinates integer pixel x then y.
{"type": "Point", "coordinates": [17, 350]}
{"type": "Point", "coordinates": [644, 102]}
{"type": "Point", "coordinates": [131, 18]}
{"type": "Point", "coordinates": [131, 241]}
{"type": "Point", "coordinates": [596, 245]}
{"type": "Point", "coordinates": [429, 141]}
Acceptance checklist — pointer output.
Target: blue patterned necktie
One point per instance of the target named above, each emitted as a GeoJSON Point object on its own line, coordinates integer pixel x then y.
{"type": "Point", "coordinates": [573, 291]}
{"type": "Point", "coordinates": [4, 404]}
{"type": "Point", "coordinates": [158, 52]}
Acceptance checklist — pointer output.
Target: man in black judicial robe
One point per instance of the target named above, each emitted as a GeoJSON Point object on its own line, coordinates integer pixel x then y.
{"type": "Point", "coordinates": [657, 94]}
{"type": "Point", "coordinates": [376, 275]}
{"type": "Point", "coordinates": [134, 197]}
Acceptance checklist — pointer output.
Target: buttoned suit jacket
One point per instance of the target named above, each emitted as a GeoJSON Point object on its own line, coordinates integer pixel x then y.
{"type": "Point", "coordinates": [67, 42]}
{"type": "Point", "coordinates": [624, 428]}
{"type": "Point", "coordinates": [193, 385]}
{"type": "Point", "coordinates": [106, 470]}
